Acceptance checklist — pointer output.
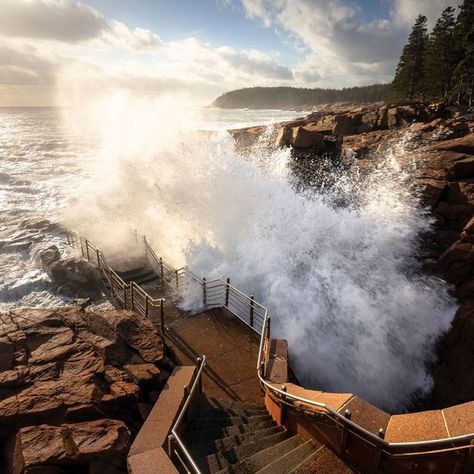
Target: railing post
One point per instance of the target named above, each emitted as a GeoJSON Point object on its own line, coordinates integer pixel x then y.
{"type": "Point", "coordinates": [131, 297]}
{"type": "Point", "coordinates": [227, 292]}
{"type": "Point", "coordinates": [87, 251]}
{"type": "Point", "coordinates": [162, 317]}
{"type": "Point", "coordinates": [199, 361]}
{"type": "Point", "coordinates": [177, 280]}
{"type": "Point", "coordinates": [345, 432]}
{"type": "Point", "coordinates": [204, 292]}
{"type": "Point", "coordinates": [170, 446]}
{"type": "Point", "coordinates": [146, 304]}
{"type": "Point", "coordinates": [111, 281]}
{"type": "Point", "coordinates": [252, 303]}
{"type": "Point", "coordinates": [268, 327]}
{"type": "Point", "coordinates": [98, 258]}
{"type": "Point", "coordinates": [82, 246]}
{"type": "Point", "coordinates": [124, 296]}
{"type": "Point", "coordinates": [161, 268]}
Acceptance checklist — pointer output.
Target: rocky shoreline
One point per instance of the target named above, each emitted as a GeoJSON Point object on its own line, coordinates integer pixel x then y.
{"type": "Point", "coordinates": [439, 140]}
{"type": "Point", "coordinates": [76, 384]}
{"type": "Point", "coordinates": [75, 388]}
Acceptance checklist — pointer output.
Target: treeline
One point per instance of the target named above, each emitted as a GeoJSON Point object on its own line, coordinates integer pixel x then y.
{"type": "Point", "coordinates": [438, 65]}
{"type": "Point", "coordinates": [294, 97]}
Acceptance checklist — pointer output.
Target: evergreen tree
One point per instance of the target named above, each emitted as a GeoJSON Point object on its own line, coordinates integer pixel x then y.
{"type": "Point", "coordinates": [409, 76]}
{"type": "Point", "coordinates": [440, 57]}
{"type": "Point", "coordinates": [463, 47]}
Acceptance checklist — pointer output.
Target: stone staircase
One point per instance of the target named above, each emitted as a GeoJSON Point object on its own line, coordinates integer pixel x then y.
{"type": "Point", "coordinates": [235, 438]}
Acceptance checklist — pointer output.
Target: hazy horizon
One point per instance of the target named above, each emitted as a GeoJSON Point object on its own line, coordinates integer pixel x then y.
{"type": "Point", "coordinates": [61, 52]}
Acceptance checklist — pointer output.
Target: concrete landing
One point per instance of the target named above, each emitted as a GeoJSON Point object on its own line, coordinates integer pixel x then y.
{"type": "Point", "coordinates": [231, 353]}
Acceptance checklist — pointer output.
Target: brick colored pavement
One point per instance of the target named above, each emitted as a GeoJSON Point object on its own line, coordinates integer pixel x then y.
{"type": "Point", "coordinates": [230, 348]}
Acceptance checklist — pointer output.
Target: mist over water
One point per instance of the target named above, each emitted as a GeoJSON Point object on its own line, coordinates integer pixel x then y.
{"type": "Point", "coordinates": [336, 266]}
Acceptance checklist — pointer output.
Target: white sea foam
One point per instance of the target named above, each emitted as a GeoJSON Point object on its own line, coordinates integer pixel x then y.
{"type": "Point", "coordinates": [341, 282]}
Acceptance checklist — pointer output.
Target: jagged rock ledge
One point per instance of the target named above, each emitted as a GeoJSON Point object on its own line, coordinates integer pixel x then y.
{"type": "Point", "coordinates": [75, 387]}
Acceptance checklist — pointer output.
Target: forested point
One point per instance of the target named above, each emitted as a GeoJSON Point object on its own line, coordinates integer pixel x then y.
{"type": "Point", "coordinates": [438, 65]}
{"type": "Point", "coordinates": [299, 98]}
{"type": "Point", "coordinates": [433, 66]}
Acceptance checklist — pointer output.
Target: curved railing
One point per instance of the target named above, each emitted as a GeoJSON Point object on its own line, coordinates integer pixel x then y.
{"type": "Point", "coordinates": [219, 293]}
{"type": "Point", "coordinates": [129, 295]}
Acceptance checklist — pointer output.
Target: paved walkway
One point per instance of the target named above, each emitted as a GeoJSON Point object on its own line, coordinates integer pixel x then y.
{"type": "Point", "coordinates": [231, 353]}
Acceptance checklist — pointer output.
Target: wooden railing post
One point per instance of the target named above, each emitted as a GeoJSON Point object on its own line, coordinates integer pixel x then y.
{"type": "Point", "coordinates": [268, 327]}
{"type": "Point", "coordinates": [124, 296]}
{"type": "Point", "coordinates": [98, 257]}
{"type": "Point", "coordinates": [204, 292]}
{"type": "Point", "coordinates": [251, 308]}
{"type": "Point", "coordinates": [227, 292]}
{"type": "Point", "coordinates": [161, 268]}
{"type": "Point", "coordinates": [146, 304]}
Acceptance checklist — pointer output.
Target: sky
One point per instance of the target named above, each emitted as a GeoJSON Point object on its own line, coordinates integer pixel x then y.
{"type": "Point", "coordinates": [53, 52]}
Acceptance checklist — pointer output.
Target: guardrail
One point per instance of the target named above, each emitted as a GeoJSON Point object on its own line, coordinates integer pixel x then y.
{"type": "Point", "coordinates": [176, 447]}
{"type": "Point", "coordinates": [217, 293]}
{"type": "Point", "coordinates": [129, 295]}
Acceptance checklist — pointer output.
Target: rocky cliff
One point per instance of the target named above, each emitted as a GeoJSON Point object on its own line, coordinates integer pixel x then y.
{"type": "Point", "coordinates": [439, 153]}
{"type": "Point", "coordinates": [75, 387]}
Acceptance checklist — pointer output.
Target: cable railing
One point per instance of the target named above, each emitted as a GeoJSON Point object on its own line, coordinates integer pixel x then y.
{"type": "Point", "coordinates": [176, 446]}
{"type": "Point", "coordinates": [217, 293]}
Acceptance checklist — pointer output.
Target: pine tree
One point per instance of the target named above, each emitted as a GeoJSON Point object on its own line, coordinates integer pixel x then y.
{"type": "Point", "coordinates": [409, 76]}
{"type": "Point", "coordinates": [464, 52]}
{"type": "Point", "coordinates": [440, 57]}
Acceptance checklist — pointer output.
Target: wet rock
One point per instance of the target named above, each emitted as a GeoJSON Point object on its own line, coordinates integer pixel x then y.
{"type": "Point", "coordinates": [76, 277]}
{"type": "Point", "coordinates": [453, 375]}
{"type": "Point", "coordinates": [48, 256]}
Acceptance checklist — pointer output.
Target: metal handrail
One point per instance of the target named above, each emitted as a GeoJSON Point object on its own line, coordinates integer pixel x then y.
{"type": "Point", "coordinates": [289, 398]}
{"type": "Point", "coordinates": [174, 436]}
{"type": "Point", "coordinates": [345, 421]}
{"type": "Point", "coordinates": [119, 287]}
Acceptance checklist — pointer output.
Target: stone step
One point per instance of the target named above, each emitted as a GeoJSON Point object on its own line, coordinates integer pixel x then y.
{"type": "Point", "coordinates": [138, 275]}
{"type": "Point", "coordinates": [226, 431]}
{"type": "Point", "coordinates": [223, 421]}
{"type": "Point", "coordinates": [261, 459]}
{"type": "Point", "coordinates": [204, 412]}
{"type": "Point", "coordinates": [323, 461]}
{"type": "Point", "coordinates": [209, 446]}
{"type": "Point", "coordinates": [205, 408]}
{"type": "Point", "coordinates": [217, 461]}
{"type": "Point", "coordinates": [290, 460]}
{"type": "Point", "coordinates": [230, 404]}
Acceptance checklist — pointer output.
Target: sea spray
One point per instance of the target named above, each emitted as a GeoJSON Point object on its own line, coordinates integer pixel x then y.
{"type": "Point", "coordinates": [341, 281]}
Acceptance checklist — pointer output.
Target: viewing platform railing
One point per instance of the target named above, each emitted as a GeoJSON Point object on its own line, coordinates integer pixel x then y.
{"type": "Point", "coordinates": [217, 293]}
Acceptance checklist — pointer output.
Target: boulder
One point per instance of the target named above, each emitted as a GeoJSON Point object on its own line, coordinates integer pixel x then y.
{"type": "Point", "coordinates": [67, 444]}
{"type": "Point", "coordinates": [76, 277]}
{"type": "Point", "coordinates": [305, 137]}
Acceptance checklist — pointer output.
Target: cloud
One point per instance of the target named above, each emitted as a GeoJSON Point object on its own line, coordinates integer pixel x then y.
{"type": "Point", "coordinates": [343, 48]}
{"type": "Point", "coordinates": [405, 11]}
{"type": "Point", "coordinates": [59, 20]}
{"type": "Point", "coordinates": [69, 22]}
